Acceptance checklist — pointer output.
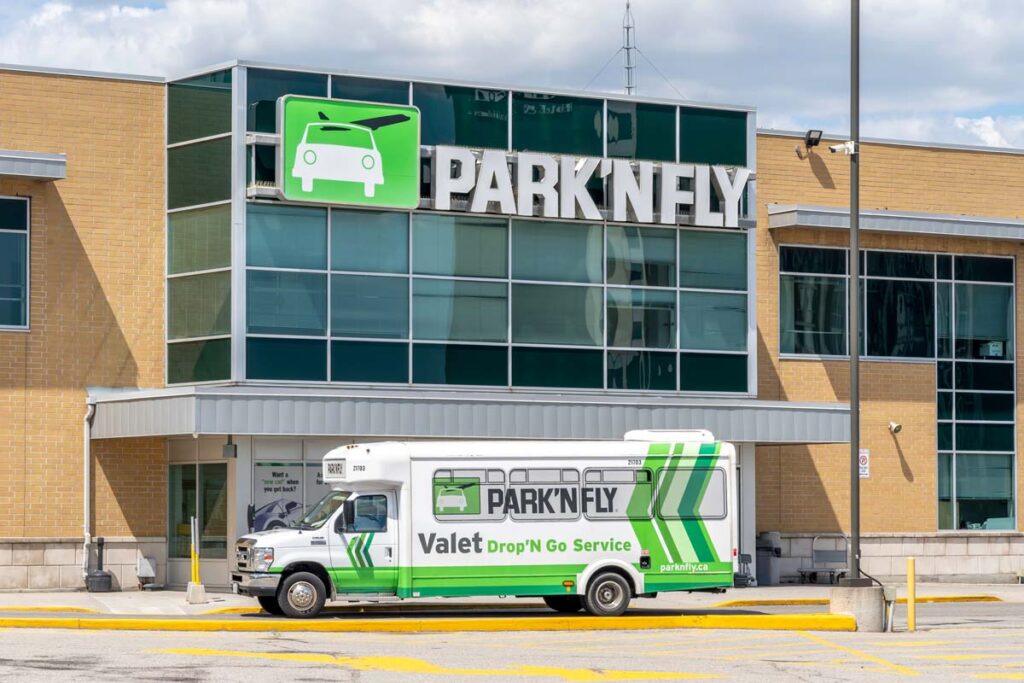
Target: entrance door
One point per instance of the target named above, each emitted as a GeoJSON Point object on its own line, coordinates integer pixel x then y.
{"type": "Point", "coordinates": [365, 556]}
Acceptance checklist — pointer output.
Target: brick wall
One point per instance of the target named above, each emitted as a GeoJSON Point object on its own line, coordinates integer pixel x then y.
{"type": "Point", "coordinates": [97, 255]}
{"type": "Point", "coordinates": [806, 489]}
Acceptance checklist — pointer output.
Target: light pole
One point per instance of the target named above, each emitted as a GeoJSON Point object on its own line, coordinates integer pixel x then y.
{"type": "Point", "coordinates": [853, 578]}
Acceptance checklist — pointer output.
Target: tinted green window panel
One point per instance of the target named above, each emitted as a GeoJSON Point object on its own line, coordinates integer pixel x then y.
{"type": "Point", "coordinates": [556, 123]}
{"type": "Point", "coordinates": [900, 264]}
{"type": "Point", "coordinates": [265, 86]}
{"type": "Point", "coordinates": [984, 491]}
{"type": "Point", "coordinates": [812, 260]}
{"type": "Point", "coordinates": [711, 136]}
{"type": "Point", "coordinates": [553, 314]}
{"type": "Point", "coordinates": [900, 319]}
{"type": "Point", "coordinates": [983, 268]}
{"type": "Point", "coordinates": [202, 361]}
{"type": "Point", "coordinates": [13, 279]}
{"type": "Point", "coordinates": [560, 252]}
{"type": "Point", "coordinates": [984, 321]}
{"type": "Point", "coordinates": [944, 375]}
{"type": "Point", "coordinates": [13, 213]}
{"type": "Point", "coordinates": [984, 437]}
{"type": "Point", "coordinates": [459, 310]}
{"type": "Point", "coordinates": [459, 364]}
{"type": "Point", "coordinates": [369, 89]}
{"type": "Point", "coordinates": [369, 306]}
{"type": "Point", "coordinates": [812, 315]}
{"type": "Point", "coordinates": [984, 376]}
{"type": "Point", "coordinates": [642, 370]}
{"type": "Point", "coordinates": [946, 491]}
{"type": "Point", "coordinates": [562, 368]}
{"type": "Point", "coordinates": [944, 267]}
{"type": "Point", "coordinates": [199, 173]}
{"type": "Point", "coordinates": [644, 257]}
{"type": "Point", "coordinates": [264, 163]}
{"type": "Point", "coordinates": [943, 320]}
{"type": "Point", "coordinates": [713, 322]}
{"type": "Point", "coordinates": [713, 260]}
{"type": "Point", "coordinates": [984, 406]}
{"type": "Point", "coordinates": [712, 372]}
{"type": "Point", "coordinates": [468, 117]}
{"type": "Point", "coordinates": [637, 130]}
{"type": "Point", "coordinates": [286, 236]}
{"type": "Point", "coordinates": [199, 305]}
{"type": "Point", "coordinates": [944, 405]}
{"type": "Point", "coordinates": [199, 239]}
{"type": "Point", "coordinates": [370, 241]}
{"type": "Point", "coordinates": [282, 302]}
{"type": "Point", "coordinates": [302, 360]}
{"type": "Point", "coordinates": [641, 318]}
{"type": "Point", "coordinates": [464, 246]}
{"type": "Point", "coordinates": [369, 362]}
{"type": "Point", "coordinates": [945, 436]}
{"type": "Point", "coordinates": [199, 107]}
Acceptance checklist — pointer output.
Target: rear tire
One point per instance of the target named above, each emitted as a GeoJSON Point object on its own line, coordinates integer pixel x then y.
{"type": "Point", "coordinates": [568, 604]}
{"type": "Point", "coordinates": [270, 605]}
{"type": "Point", "coordinates": [302, 595]}
{"type": "Point", "coordinates": [608, 595]}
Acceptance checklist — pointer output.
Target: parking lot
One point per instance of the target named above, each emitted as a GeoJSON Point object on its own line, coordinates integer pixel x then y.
{"type": "Point", "coordinates": [982, 641]}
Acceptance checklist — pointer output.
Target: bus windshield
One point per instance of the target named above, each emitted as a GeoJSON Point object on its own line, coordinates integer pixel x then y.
{"type": "Point", "coordinates": [322, 511]}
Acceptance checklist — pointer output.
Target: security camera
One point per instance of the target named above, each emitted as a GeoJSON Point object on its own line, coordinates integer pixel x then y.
{"type": "Point", "coordinates": [895, 427]}
{"type": "Point", "coordinates": [847, 148]}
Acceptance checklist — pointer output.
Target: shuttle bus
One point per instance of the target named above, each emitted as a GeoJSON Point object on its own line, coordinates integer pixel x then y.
{"type": "Point", "coordinates": [585, 525]}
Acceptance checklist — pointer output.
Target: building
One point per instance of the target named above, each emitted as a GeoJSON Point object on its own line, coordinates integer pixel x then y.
{"type": "Point", "coordinates": [202, 291]}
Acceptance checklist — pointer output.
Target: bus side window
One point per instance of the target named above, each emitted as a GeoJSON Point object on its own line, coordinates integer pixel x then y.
{"type": "Point", "coordinates": [371, 514]}
{"type": "Point", "coordinates": [464, 495]}
{"type": "Point", "coordinates": [617, 494]}
{"type": "Point", "coordinates": [673, 483]}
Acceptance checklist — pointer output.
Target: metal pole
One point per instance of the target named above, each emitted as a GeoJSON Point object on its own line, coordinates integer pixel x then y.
{"type": "Point", "coordinates": [854, 578]}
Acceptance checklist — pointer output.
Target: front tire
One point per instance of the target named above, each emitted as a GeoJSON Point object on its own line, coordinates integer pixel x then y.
{"type": "Point", "coordinates": [568, 604]}
{"type": "Point", "coordinates": [302, 595]}
{"type": "Point", "coordinates": [607, 595]}
{"type": "Point", "coordinates": [270, 605]}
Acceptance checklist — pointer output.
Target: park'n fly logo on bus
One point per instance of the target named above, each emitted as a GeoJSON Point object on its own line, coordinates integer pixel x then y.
{"type": "Point", "coordinates": [344, 152]}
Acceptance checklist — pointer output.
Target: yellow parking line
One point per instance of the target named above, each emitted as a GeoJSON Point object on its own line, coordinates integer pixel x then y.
{"type": "Point", "coordinates": [1000, 677]}
{"type": "Point", "coordinates": [964, 658]}
{"type": "Point", "coordinates": [906, 671]}
{"type": "Point", "coordinates": [911, 643]}
{"type": "Point", "coordinates": [412, 665]}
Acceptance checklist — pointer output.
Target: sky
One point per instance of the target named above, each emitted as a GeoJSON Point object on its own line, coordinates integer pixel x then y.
{"type": "Point", "coordinates": [932, 70]}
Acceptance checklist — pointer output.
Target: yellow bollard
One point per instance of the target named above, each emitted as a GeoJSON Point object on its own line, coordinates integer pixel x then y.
{"type": "Point", "coordinates": [911, 596]}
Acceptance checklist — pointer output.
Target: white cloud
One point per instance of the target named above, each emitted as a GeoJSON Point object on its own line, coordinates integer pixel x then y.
{"type": "Point", "coordinates": [931, 70]}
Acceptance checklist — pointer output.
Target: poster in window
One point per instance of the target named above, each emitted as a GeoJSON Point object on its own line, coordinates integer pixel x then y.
{"type": "Point", "coordinates": [277, 494]}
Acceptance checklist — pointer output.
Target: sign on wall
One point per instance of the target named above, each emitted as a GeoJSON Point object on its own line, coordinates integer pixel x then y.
{"type": "Point", "coordinates": [864, 461]}
{"type": "Point", "coordinates": [343, 152]}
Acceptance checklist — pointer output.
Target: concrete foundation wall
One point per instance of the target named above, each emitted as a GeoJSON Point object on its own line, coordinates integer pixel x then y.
{"type": "Point", "coordinates": [56, 564]}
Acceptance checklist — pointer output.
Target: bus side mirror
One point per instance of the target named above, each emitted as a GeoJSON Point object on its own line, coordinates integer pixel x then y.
{"type": "Point", "coordinates": [346, 520]}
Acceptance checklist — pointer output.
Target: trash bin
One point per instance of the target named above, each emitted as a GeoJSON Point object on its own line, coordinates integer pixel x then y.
{"type": "Point", "coordinates": [769, 552]}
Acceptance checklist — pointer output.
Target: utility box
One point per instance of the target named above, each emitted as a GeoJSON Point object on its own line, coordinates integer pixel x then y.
{"type": "Point", "coordinates": [769, 554]}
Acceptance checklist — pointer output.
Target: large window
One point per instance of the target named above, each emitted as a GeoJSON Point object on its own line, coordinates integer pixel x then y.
{"type": "Point", "coordinates": [557, 123]}
{"type": "Point", "coordinates": [200, 491]}
{"type": "Point", "coordinates": [468, 117]}
{"type": "Point", "coordinates": [14, 254]}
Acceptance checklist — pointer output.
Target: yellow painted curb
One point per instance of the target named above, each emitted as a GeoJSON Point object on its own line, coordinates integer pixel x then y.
{"type": "Point", "coordinates": [380, 609]}
{"type": "Point", "coordinates": [49, 608]}
{"type": "Point", "coordinates": [769, 622]}
{"type": "Point", "coordinates": [824, 601]}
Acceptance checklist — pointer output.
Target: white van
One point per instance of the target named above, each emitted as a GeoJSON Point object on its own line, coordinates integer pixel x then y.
{"type": "Point", "coordinates": [581, 524]}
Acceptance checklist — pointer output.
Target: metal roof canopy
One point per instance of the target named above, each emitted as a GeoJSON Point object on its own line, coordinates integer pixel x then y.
{"type": "Point", "coordinates": [907, 222]}
{"type": "Point", "coordinates": [417, 413]}
{"type": "Point", "coordinates": [33, 165]}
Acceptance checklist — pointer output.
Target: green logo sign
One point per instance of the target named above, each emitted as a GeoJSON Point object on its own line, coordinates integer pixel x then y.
{"type": "Point", "coordinates": [342, 152]}
{"type": "Point", "coordinates": [456, 496]}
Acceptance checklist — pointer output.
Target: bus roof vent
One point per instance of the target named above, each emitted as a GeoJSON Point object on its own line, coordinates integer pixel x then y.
{"type": "Point", "coordinates": [670, 435]}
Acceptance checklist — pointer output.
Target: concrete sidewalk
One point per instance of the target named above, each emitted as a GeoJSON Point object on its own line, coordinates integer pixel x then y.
{"type": "Point", "coordinates": [172, 602]}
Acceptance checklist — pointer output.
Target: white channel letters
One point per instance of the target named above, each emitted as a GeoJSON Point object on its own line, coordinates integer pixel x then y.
{"type": "Point", "coordinates": [551, 186]}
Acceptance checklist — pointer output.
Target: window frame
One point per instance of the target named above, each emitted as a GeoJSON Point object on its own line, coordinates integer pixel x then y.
{"type": "Point", "coordinates": [27, 285]}
{"type": "Point", "coordinates": [625, 517]}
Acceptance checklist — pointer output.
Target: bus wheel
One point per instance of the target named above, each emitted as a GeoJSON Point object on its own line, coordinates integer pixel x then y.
{"type": "Point", "coordinates": [302, 595]}
{"type": "Point", "coordinates": [607, 595]}
{"type": "Point", "coordinates": [270, 605]}
{"type": "Point", "coordinates": [564, 603]}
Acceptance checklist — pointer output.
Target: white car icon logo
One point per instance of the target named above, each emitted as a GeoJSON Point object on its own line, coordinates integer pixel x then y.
{"type": "Point", "coordinates": [448, 498]}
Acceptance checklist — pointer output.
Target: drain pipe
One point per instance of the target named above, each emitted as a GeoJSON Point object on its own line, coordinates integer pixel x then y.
{"type": "Point", "coordinates": [90, 412]}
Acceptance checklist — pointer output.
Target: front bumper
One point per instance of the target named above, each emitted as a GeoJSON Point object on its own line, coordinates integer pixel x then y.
{"type": "Point", "coordinates": [256, 584]}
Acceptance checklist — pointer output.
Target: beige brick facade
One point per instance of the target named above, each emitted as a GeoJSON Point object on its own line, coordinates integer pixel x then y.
{"type": "Point", "coordinates": [96, 315]}
{"type": "Point", "coordinates": [806, 489]}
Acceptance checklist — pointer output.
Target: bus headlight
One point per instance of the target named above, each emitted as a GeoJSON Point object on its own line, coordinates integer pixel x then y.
{"type": "Point", "coordinates": [262, 558]}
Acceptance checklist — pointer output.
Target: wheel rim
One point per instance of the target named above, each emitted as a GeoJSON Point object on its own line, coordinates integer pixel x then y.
{"type": "Point", "coordinates": [609, 595]}
{"type": "Point", "coordinates": [301, 595]}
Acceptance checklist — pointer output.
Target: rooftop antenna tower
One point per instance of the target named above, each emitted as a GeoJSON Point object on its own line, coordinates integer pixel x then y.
{"type": "Point", "coordinates": [628, 50]}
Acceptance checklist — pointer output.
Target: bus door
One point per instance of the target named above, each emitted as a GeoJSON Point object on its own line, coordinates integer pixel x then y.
{"type": "Point", "coordinates": [364, 549]}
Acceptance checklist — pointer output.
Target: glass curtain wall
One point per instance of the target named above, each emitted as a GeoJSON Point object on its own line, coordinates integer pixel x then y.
{"type": "Point", "coordinates": [199, 229]}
